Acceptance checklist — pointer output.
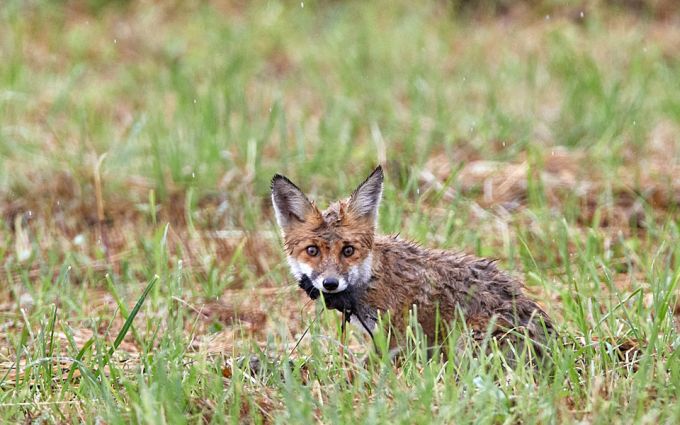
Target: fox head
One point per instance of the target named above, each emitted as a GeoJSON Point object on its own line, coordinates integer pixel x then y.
{"type": "Point", "coordinates": [333, 248]}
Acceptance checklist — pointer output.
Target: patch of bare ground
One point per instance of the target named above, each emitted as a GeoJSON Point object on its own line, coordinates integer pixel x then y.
{"type": "Point", "coordinates": [643, 181]}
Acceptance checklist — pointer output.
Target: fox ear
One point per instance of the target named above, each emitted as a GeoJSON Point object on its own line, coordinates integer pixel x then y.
{"type": "Point", "coordinates": [365, 200]}
{"type": "Point", "coordinates": [290, 204]}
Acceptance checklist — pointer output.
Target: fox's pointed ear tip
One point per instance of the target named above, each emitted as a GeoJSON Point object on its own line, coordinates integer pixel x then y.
{"type": "Point", "coordinates": [277, 178]}
{"type": "Point", "coordinates": [379, 171]}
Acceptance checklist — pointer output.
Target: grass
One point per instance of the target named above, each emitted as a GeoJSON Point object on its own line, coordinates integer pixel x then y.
{"type": "Point", "coordinates": [137, 143]}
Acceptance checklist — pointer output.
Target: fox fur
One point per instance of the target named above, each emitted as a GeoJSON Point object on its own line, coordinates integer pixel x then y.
{"type": "Point", "coordinates": [387, 275]}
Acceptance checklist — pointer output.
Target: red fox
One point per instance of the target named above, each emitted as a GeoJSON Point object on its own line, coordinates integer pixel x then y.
{"type": "Point", "coordinates": [337, 252]}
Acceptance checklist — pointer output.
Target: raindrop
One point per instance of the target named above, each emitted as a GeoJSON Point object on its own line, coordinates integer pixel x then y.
{"type": "Point", "coordinates": [194, 100]}
{"type": "Point", "coordinates": [547, 17]}
{"type": "Point", "coordinates": [115, 41]}
{"type": "Point", "coordinates": [30, 213]}
{"type": "Point", "coordinates": [193, 175]}
{"type": "Point", "coordinates": [503, 144]}
{"type": "Point", "coordinates": [26, 299]}
{"type": "Point", "coordinates": [302, 4]}
{"type": "Point", "coordinates": [582, 14]}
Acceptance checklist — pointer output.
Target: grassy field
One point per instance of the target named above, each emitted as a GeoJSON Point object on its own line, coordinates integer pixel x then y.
{"type": "Point", "coordinates": [138, 247]}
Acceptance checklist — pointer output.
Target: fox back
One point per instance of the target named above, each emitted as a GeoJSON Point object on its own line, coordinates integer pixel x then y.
{"type": "Point", "coordinates": [338, 253]}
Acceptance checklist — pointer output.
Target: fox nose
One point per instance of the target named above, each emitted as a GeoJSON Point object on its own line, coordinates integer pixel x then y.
{"type": "Point", "coordinates": [331, 283]}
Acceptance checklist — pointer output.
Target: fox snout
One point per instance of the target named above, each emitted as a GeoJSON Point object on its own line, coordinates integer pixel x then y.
{"type": "Point", "coordinates": [331, 283]}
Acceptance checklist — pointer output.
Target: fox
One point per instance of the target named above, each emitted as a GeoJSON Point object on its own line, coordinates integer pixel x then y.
{"type": "Point", "coordinates": [338, 253]}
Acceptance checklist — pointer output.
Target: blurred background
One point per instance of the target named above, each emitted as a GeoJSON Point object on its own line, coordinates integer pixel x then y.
{"type": "Point", "coordinates": [138, 138]}
{"type": "Point", "coordinates": [212, 98]}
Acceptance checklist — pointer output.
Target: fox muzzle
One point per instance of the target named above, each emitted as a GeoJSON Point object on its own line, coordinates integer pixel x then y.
{"type": "Point", "coordinates": [331, 283]}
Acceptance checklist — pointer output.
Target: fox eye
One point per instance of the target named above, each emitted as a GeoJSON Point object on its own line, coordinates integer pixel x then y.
{"type": "Point", "coordinates": [312, 250]}
{"type": "Point", "coordinates": [348, 251]}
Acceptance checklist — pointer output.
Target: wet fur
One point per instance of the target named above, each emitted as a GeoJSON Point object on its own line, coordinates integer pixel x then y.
{"type": "Point", "coordinates": [403, 274]}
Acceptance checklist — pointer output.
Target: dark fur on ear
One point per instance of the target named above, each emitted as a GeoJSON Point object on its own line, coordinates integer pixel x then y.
{"type": "Point", "coordinates": [290, 204]}
{"type": "Point", "coordinates": [365, 200]}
